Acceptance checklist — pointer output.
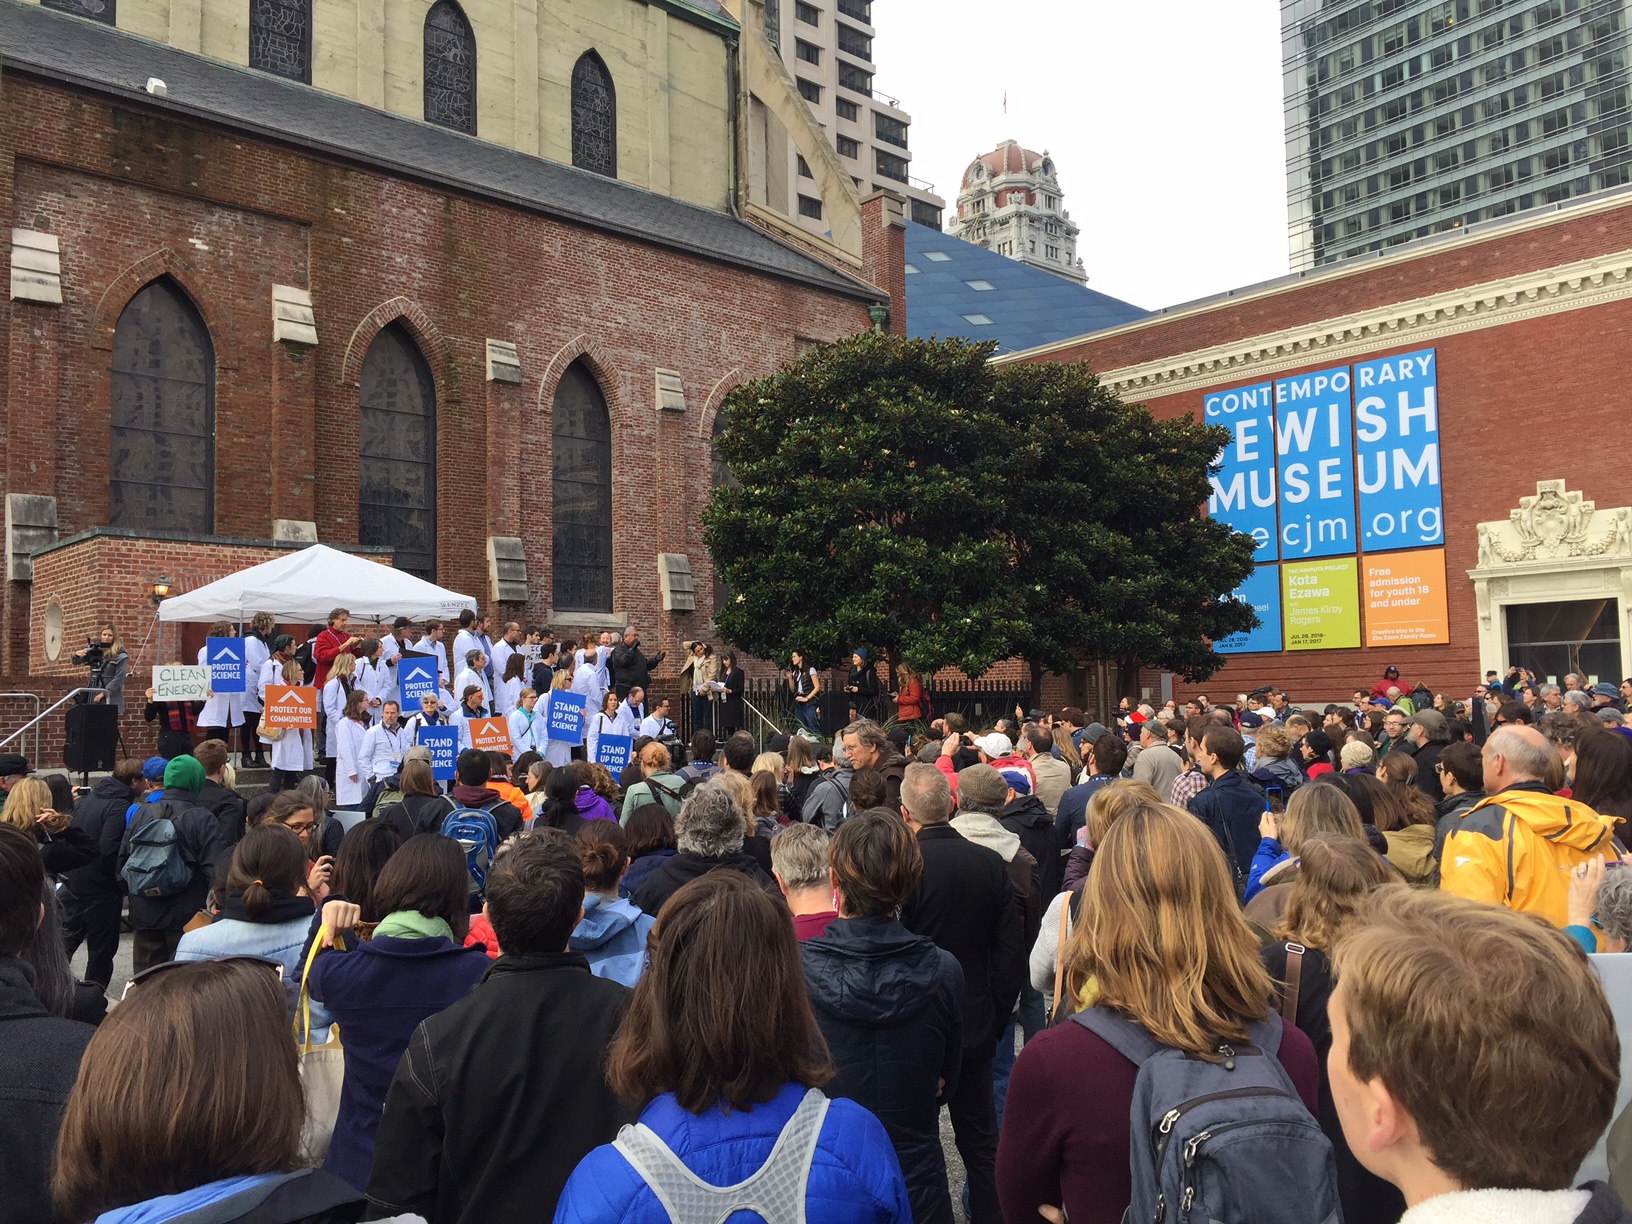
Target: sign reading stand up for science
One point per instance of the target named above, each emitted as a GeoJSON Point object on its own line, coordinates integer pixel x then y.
{"type": "Point", "coordinates": [1339, 464]}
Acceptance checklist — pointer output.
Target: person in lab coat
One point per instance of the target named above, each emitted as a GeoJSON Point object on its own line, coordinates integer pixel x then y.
{"type": "Point", "coordinates": [350, 782]}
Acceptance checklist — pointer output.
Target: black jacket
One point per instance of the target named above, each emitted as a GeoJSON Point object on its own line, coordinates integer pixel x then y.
{"type": "Point", "coordinates": [202, 848]}
{"type": "Point", "coordinates": [228, 806]}
{"type": "Point", "coordinates": [629, 668]}
{"type": "Point", "coordinates": [681, 868]}
{"type": "Point", "coordinates": [890, 1004]}
{"type": "Point", "coordinates": [39, 1060]}
{"type": "Point", "coordinates": [1232, 807]}
{"type": "Point", "coordinates": [499, 1097]}
{"type": "Point", "coordinates": [418, 814]}
{"type": "Point", "coordinates": [66, 851]}
{"type": "Point", "coordinates": [1604, 1207]}
{"type": "Point", "coordinates": [1029, 820]}
{"type": "Point", "coordinates": [100, 815]}
{"type": "Point", "coordinates": [1427, 777]}
{"type": "Point", "coordinates": [964, 901]}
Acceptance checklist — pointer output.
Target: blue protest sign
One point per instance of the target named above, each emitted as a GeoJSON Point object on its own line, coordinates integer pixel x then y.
{"type": "Point", "coordinates": [1396, 430]}
{"type": "Point", "coordinates": [566, 717]}
{"type": "Point", "coordinates": [1244, 487]}
{"type": "Point", "coordinates": [613, 752]}
{"type": "Point", "coordinates": [1262, 590]}
{"type": "Point", "coordinates": [416, 677]}
{"type": "Point", "coordinates": [225, 657]}
{"type": "Point", "coordinates": [1315, 464]}
{"type": "Point", "coordinates": [444, 745]}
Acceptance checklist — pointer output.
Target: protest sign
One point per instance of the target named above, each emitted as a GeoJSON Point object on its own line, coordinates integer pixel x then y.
{"type": "Point", "coordinates": [416, 677]}
{"type": "Point", "coordinates": [294, 709]}
{"type": "Point", "coordinates": [444, 745]}
{"type": "Point", "coordinates": [613, 752]}
{"type": "Point", "coordinates": [226, 663]}
{"type": "Point", "coordinates": [178, 682]}
{"type": "Point", "coordinates": [490, 735]}
{"type": "Point", "coordinates": [566, 717]}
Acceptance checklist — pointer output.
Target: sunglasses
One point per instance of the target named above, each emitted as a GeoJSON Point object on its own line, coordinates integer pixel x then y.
{"type": "Point", "coordinates": [153, 971]}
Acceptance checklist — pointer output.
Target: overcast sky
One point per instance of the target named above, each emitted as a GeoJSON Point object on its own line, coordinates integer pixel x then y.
{"type": "Point", "coordinates": [1164, 120]}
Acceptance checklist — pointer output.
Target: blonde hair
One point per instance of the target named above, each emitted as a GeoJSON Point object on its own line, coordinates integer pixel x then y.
{"type": "Point", "coordinates": [344, 665]}
{"type": "Point", "coordinates": [799, 754]}
{"type": "Point", "coordinates": [1335, 875]}
{"type": "Point", "coordinates": [741, 792]}
{"type": "Point", "coordinates": [1162, 935]}
{"type": "Point", "coordinates": [1318, 808]}
{"type": "Point", "coordinates": [562, 681]}
{"type": "Point", "coordinates": [1274, 742]}
{"type": "Point", "coordinates": [1068, 750]}
{"type": "Point", "coordinates": [1115, 800]}
{"type": "Point", "coordinates": [27, 800]}
{"type": "Point", "coordinates": [768, 762]}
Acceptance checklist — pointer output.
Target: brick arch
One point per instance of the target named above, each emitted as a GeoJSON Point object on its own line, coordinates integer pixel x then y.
{"type": "Point", "coordinates": [426, 334]}
{"type": "Point", "coordinates": [729, 382]}
{"type": "Point", "coordinates": [600, 365]}
{"type": "Point", "coordinates": [218, 320]}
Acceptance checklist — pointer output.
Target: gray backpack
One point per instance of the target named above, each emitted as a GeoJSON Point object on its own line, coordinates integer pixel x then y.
{"type": "Point", "coordinates": [1220, 1143]}
{"type": "Point", "coordinates": [155, 866]}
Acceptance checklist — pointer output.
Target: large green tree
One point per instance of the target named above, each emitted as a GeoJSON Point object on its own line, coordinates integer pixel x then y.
{"type": "Point", "coordinates": [908, 495]}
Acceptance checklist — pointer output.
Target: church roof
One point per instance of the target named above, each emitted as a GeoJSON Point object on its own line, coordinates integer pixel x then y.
{"type": "Point", "coordinates": [955, 288]}
{"type": "Point", "coordinates": [88, 55]}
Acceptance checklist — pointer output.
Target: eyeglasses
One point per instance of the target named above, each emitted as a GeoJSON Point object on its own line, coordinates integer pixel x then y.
{"type": "Point", "coordinates": [303, 829]}
{"type": "Point", "coordinates": [153, 971]}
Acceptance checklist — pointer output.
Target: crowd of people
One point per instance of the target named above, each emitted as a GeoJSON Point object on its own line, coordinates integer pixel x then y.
{"type": "Point", "coordinates": [1237, 962]}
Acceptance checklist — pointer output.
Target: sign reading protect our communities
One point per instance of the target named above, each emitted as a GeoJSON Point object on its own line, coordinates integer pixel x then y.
{"type": "Point", "coordinates": [1336, 463]}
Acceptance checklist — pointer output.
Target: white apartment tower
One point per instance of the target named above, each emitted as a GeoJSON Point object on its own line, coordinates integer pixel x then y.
{"type": "Point", "coordinates": [828, 47]}
{"type": "Point", "coordinates": [1010, 202]}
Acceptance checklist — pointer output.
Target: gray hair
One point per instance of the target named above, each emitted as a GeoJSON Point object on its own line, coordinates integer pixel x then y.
{"type": "Point", "coordinates": [1577, 700]}
{"type": "Point", "coordinates": [709, 824]}
{"type": "Point", "coordinates": [1528, 761]}
{"type": "Point", "coordinates": [868, 732]}
{"type": "Point", "coordinates": [926, 794]}
{"type": "Point", "coordinates": [417, 753]}
{"type": "Point", "coordinates": [1548, 690]}
{"type": "Point", "coordinates": [799, 855]}
{"type": "Point", "coordinates": [1615, 904]}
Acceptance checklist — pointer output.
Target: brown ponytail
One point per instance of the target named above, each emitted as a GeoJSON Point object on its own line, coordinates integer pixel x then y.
{"type": "Point", "coordinates": [268, 859]}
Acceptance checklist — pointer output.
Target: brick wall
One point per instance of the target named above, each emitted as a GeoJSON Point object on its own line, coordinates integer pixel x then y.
{"type": "Point", "coordinates": [134, 195]}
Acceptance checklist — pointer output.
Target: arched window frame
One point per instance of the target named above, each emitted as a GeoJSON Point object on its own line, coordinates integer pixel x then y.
{"type": "Point", "coordinates": [581, 553]}
{"type": "Point", "coordinates": [382, 477]}
{"type": "Point", "coordinates": [280, 38]}
{"type": "Point", "coordinates": [594, 116]}
{"type": "Point", "coordinates": [450, 68]}
{"type": "Point", "coordinates": [104, 11]}
{"type": "Point", "coordinates": [143, 447]}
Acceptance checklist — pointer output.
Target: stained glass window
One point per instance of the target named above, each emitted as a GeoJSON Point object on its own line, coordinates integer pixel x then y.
{"type": "Point", "coordinates": [280, 37]}
{"type": "Point", "coordinates": [96, 10]}
{"type": "Point", "coordinates": [161, 466]}
{"type": "Point", "coordinates": [594, 116]}
{"type": "Point", "coordinates": [581, 495]}
{"type": "Point", "coordinates": [450, 68]}
{"type": "Point", "coordinates": [396, 429]}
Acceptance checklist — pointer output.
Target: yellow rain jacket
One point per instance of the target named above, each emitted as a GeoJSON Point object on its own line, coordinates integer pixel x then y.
{"type": "Point", "coordinates": [1517, 848]}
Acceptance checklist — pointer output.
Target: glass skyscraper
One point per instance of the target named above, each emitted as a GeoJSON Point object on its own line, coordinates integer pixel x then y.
{"type": "Point", "coordinates": [1409, 117]}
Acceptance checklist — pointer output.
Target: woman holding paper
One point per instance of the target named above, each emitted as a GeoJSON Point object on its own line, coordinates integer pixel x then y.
{"type": "Point", "coordinates": [704, 667]}
{"type": "Point", "coordinates": [223, 711]}
{"type": "Point", "coordinates": [558, 752]}
{"type": "Point", "coordinates": [291, 754]}
{"type": "Point", "coordinates": [350, 780]}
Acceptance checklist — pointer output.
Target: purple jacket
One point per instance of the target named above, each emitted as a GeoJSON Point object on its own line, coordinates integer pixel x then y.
{"type": "Point", "coordinates": [592, 806]}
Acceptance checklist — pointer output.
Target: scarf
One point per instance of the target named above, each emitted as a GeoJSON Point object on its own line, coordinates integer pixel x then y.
{"type": "Point", "coordinates": [411, 924]}
{"type": "Point", "coordinates": [170, 1206]}
{"type": "Point", "coordinates": [285, 907]}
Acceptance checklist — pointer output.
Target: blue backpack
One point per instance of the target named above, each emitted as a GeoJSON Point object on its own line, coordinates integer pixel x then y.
{"type": "Point", "coordinates": [1226, 1142]}
{"type": "Point", "coordinates": [478, 836]}
{"type": "Point", "coordinates": [155, 866]}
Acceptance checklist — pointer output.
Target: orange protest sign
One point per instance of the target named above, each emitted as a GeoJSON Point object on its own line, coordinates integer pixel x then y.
{"type": "Point", "coordinates": [292, 708]}
{"type": "Point", "coordinates": [490, 735]}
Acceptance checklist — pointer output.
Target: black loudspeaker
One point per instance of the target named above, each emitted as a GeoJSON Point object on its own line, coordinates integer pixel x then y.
{"type": "Point", "coordinates": [92, 737]}
{"type": "Point", "coordinates": [833, 711]}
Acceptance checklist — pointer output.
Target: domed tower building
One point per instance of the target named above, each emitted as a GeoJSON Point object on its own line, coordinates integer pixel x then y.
{"type": "Point", "coordinates": [1010, 203]}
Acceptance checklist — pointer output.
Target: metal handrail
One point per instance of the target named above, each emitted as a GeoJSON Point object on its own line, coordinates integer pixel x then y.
{"type": "Point", "coordinates": [764, 722]}
{"type": "Point", "coordinates": [41, 716]}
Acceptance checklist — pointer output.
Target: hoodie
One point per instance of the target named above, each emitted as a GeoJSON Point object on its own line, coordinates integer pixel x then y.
{"type": "Point", "coordinates": [592, 805]}
{"type": "Point", "coordinates": [1593, 1203]}
{"type": "Point", "coordinates": [1515, 848]}
{"type": "Point", "coordinates": [612, 936]}
{"type": "Point", "coordinates": [890, 1004]}
{"type": "Point", "coordinates": [1024, 874]}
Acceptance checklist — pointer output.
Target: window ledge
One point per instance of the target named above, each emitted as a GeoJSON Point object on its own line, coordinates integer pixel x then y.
{"type": "Point", "coordinates": [587, 620]}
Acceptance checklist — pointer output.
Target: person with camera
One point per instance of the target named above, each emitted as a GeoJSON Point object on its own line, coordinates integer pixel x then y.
{"type": "Point", "coordinates": [105, 655]}
{"type": "Point", "coordinates": [335, 640]}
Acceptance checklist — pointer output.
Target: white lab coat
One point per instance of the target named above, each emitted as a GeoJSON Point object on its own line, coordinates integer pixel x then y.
{"type": "Point", "coordinates": [256, 655]}
{"type": "Point", "coordinates": [349, 779]}
{"type": "Point", "coordinates": [334, 709]}
{"type": "Point", "coordinates": [462, 718]}
{"type": "Point", "coordinates": [271, 673]}
{"type": "Point", "coordinates": [292, 753]}
{"type": "Point", "coordinates": [465, 679]}
{"type": "Point", "coordinates": [656, 727]}
{"type": "Point", "coordinates": [383, 749]}
{"type": "Point", "coordinates": [375, 680]}
{"type": "Point", "coordinates": [463, 643]}
{"type": "Point", "coordinates": [506, 693]}
{"type": "Point", "coordinates": [599, 725]}
{"type": "Point", "coordinates": [221, 709]}
{"type": "Point", "coordinates": [628, 719]}
{"type": "Point", "coordinates": [419, 720]}
{"type": "Point", "coordinates": [390, 650]}
{"type": "Point", "coordinates": [502, 650]}
{"type": "Point", "coordinates": [440, 650]}
{"type": "Point", "coordinates": [527, 731]}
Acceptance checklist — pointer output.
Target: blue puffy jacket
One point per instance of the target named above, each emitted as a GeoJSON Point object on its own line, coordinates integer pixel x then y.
{"type": "Point", "coordinates": [854, 1179]}
{"type": "Point", "coordinates": [612, 937]}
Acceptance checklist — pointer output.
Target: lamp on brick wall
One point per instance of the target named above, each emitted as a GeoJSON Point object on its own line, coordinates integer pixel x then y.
{"type": "Point", "coordinates": [161, 589]}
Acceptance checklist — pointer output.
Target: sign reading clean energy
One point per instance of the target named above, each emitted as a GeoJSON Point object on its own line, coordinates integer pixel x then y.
{"type": "Point", "coordinates": [1244, 487]}
{"type": "Point", "coordinates": [1315, 464]}
{"type": "Point", "coordinates": [1396, 427]}
{"type": "Point", "coordinates": [1261, 590]}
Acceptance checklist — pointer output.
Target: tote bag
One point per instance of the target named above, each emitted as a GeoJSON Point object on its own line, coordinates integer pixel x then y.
{"type": "Point", "coordinates": [322, 1070]}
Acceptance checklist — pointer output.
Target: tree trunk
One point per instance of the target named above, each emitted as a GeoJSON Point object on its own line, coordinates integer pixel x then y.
{"type": "Point", "coordinates": [1034, 700]}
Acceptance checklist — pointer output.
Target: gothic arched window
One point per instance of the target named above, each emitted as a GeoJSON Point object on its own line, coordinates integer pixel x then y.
{"type": "Point", "coordinates": [594, 117]}
{"type": "Point", "coordinates": [581, 494]}
{"type": "Point", "coordinates": [280, 38]}
{"type": "Point", "coordinates": [161, 468]}
{"type": "Point", "coordinates": [396, 434]}
{"type": "Point", "coordinates": [450, 68]}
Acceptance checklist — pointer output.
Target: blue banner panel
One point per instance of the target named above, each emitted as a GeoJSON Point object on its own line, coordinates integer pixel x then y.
{"type": "Point", "coordinates": [613, 751]}
{"type": "Point", "coordinates": [566, 717]}
{"type": "Point", "coordinates": [444, 745]}
{"type": "Point", "coordinates": [1396, 431]}
{"type": "Point", "coordinates": [1262, 589]}
{"type": "Point", "coordinates": [416, 675]}
{"type": "Point", "coordinates": [1244, 487]}
{"type": "Point", "coordinates": [226, 662]}
{"type": "Point", "coordinates": [1315, 464]}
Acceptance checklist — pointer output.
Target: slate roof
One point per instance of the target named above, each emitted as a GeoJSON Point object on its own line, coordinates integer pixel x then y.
{"type": "Point", "coordinates": [86, 54]}
{"type": "Point", "coordinates": [1024, 306]}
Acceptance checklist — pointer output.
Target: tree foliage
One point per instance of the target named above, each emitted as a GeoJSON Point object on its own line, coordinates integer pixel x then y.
{"type": "Point", "coordinates": [908, 495]}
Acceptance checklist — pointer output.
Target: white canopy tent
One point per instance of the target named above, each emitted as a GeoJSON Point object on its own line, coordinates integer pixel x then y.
{"type": "Point", "coordinates": [306, 586]}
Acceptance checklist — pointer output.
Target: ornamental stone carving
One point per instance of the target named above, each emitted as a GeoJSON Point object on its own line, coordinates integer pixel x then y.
{"type": "Point", "coordinates": [1555, 524]}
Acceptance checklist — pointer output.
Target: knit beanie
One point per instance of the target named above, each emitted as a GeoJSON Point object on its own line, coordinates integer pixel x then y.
{"type": "Point", "coordinates": [184, 773]}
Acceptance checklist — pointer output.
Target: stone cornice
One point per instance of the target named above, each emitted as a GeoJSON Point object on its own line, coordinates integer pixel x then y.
{"type": "Point", "coordinates": [1572, 286]}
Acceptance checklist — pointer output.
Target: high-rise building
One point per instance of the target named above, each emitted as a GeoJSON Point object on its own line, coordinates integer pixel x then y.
{"type": "Point", "coordinates": [828, 47]}
{"type": "Point", "coordinates": [1409, 117]}
{"type": "Point", "coordinates": [1010, 202]}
